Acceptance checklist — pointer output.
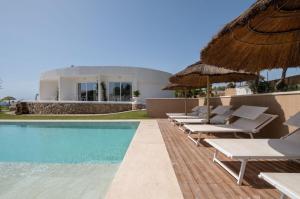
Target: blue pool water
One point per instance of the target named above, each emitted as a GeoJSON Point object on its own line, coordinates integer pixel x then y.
{"type": "Point", "coordinates": [65, 142]}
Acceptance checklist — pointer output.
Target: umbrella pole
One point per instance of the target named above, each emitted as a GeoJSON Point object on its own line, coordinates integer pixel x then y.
{"type": "Point", "coordinates": [185, 102]}
{"type": "Point", "coordinates": [207, 99]}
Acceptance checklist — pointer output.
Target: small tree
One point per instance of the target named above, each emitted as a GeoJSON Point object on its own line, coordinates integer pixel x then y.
{"type": "Point", "coordinates": [8, 98]}
{"type": "Point", "coordinates": [136, 93]}
{"type": "Point", "coordinates": [260, 87]}
{"type": "Point", "coordinates": [103, 89]}
{"type": "Point", "coordinates": [231, 85]}
{"type": "Point", "coordinates": [280, 85]}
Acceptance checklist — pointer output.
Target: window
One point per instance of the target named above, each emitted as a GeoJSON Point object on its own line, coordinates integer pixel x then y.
{"type": "Point", "coordinates": [114, 91]}
{"type": "Point", "coordinates": [120, 91]}
{"type": "Point", "coordinates": [88, 91]}
{"type": "Point", "coordinates": [126, 91]}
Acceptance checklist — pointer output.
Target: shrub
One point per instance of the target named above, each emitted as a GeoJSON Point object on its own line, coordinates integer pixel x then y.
{"type": "Point", "coordinates": [136, 93]}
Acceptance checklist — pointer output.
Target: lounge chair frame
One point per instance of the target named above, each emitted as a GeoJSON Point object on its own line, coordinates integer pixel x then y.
{"type": "Point", "coordinates": [291, 137]}
{"type": "Point", "coordinates": [217, 112]}
{"type": "Point", "coordinates": [251, 132]}
{"type": "Point", "coordinates": [240, 175]}
{"type": "Point", "coordinates": [281, 185]}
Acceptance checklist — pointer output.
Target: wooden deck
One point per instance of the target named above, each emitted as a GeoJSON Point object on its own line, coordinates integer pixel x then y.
{"type": "Point", "coordinates": [199, 177]}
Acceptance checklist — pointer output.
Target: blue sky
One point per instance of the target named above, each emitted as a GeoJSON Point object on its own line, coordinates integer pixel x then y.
{"type": "Point", "coordinates": [40, 35]}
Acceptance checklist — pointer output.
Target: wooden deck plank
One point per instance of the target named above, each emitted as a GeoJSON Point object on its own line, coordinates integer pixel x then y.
{"type": "Point", "coordinates": [199, 177]}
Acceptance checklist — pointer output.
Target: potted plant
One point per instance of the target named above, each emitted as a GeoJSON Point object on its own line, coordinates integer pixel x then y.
{"type": "Point", "coordinates": [136, 95]}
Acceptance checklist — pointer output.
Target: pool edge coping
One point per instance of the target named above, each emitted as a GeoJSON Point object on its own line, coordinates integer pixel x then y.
{"type": "Point", "coordinates": [137, 175]}
{"type": "Point", "coordinates": [95, 121]}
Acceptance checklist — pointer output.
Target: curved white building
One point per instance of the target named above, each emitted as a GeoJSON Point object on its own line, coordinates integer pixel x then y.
{"type": "Point", "coordinates": [102, 83]}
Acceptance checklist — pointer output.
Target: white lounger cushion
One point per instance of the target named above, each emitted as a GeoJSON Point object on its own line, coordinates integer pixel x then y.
{"type": "Point", "coordinates": [221, 110]}
{"type": "Point", "coordinates": [206, 128]}
{"type": "Point", "coordinates": [182, 114]}
{"type": "Point", "coordinates": [196, 108]}
{"type": "Point", "coordinates": [256, 148]}
{"type": "Point", "coordinates": [202, 109]}
{"type": "Point", "coordinates": [245, 123]}
{"type": "Point", "coordinates": [249, 112]}
{"type": "Point", "coordinates": [286, 183]}
{"type": "Point", "coordinates": [191, 121]}
{"type": "Point", "coordinates": [184, 117]}
{"type": "Point", "coordinates": [197, 112]}
{"type": "Point", "coordinates": [194, 112]}
{"type": "Point", "coordinates": [174, 114]}
{"type": "Point", "coordinates": [217, 119]}
{"type": "Point", "coordinates": [294, 120]}
{"type": "Point", "coordinates": [240, 125]}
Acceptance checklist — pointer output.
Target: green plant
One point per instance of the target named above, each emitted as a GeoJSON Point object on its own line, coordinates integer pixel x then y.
{"type": "Point", "coordinates": [231, 85]}
{"type": "Point", "coordinates": [260, 86]}
{"type": "Point", "coordinates": [103, 88]}
{"type": "Point", "coordinates": [136, 93]}
{"type": "Point", "coordinates": [57, 94]}
{"type": "Point", "coordinates": [8, 98]}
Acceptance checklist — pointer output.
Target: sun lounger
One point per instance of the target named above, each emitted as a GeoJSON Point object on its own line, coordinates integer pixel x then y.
{"type": "Point", "coordinates": [241, 125]}
{"type": "Point", "coordinates": [286, 183]}
{"type": "Point", "coordinates": [201, 113]}
{"type": "Point", "coordinates": [219, 118]}
{"type": "Point", "coordinates": [244, 150]}
{"type": "Point", "coordinates": [194, 112]}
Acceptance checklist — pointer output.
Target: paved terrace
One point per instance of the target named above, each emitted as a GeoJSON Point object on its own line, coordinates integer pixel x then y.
{"type": "Point", "coordinates": [199, 177]}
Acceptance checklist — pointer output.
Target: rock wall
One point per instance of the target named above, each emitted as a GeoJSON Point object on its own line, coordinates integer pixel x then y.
{"type": "Point", "coordinates": [70, 108]}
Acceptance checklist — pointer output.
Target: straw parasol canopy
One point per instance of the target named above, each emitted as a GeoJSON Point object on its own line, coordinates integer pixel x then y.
{"type": "Point", "coordinates": [172, 86]}
{"type": "Point", "coordinates": [199, 74]}
{"type": "Point", "coordinates": [265, 36]}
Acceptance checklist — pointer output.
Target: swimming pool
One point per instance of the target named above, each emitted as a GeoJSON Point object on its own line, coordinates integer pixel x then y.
{"type": "Point", "coordinates": [61, 159]}
{"type": "Point", "coordinates": [104, 142]}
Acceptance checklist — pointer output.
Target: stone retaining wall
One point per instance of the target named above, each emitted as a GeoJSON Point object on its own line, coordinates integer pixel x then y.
{"type": "Point", "coordinates": [70, 108]}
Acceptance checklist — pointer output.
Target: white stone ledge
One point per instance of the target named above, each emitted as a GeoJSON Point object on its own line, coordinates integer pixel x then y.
{"type": "Point", "coordinates": [146, 171]}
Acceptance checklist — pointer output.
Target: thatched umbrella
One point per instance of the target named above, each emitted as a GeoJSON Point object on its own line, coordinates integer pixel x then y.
{"type": "Point", "coordinates": [199, 74]}
{"type": "Point", "coordinates": [172, 86]}
{"type": "Point", "coordinates": [265, 36]}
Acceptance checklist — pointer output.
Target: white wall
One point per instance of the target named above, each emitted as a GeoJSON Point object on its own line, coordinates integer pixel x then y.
{"type": "Point", "coordinates": [148, 82]}
{"type": "Point", "coordinates": [152, 90]}
{"type": "Point", "coordinates": [68, 89]}
{"type": "Point", "coordinates": [243, 91]}
{"type": "Point", "coordinates": [48, 90]}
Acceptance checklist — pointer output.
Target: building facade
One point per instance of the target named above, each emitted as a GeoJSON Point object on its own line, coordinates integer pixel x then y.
{"type": "Point", "coordinates": [103, 83]}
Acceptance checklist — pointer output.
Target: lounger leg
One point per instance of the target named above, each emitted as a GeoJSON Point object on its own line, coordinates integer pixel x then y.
{"type": "Point", "coordinates": [240, 176]}
{"type": "Point", "coordinates": [251, 136]}
{"type": "Point", "coordinates": [198, 139]}
{"type": "Point", "coordinates": [215, 155]}
{"type": "Point", "coordinates": [192, 139]}
{"type": "Point", "coordinates": [242, 172]}
{"type": "Point", "coordinates": [186, 131]}
{"type": "Point", "coordinates": [181, 127]}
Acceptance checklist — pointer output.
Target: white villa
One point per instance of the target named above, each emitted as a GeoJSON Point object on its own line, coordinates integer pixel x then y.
{"type": "Point", "coordinates": [102, 83]}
